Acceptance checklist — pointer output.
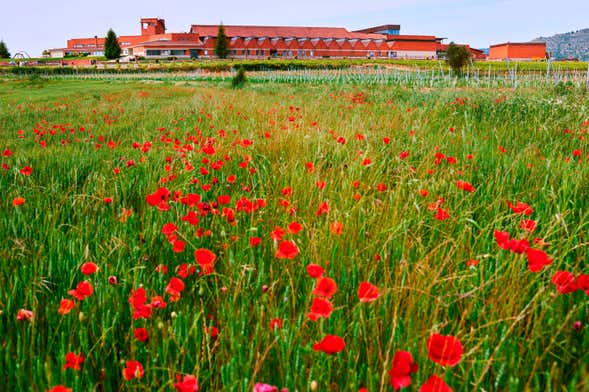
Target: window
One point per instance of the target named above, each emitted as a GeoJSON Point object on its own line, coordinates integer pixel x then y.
{"type": "Point", "coordinates": [151, 52]}
{"type": "Point", "coordinates": [177, 52]}
{"type": "Point", "coordinates": [392, 55]}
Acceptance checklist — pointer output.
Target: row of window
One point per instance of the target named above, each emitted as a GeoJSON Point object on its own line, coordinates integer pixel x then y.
{"type": "Point", "coordinates": [153, 52]}
{"type": "Point", "coordinates": [291, 53]}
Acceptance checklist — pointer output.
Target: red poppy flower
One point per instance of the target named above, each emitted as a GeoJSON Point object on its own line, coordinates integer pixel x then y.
{"type": "Point", "coordinates": [367, 292]}
{"type": "Point", "coordinates": [107, 200]}
{"type": "Point", "coordinates": [213, 332]}
{"type": "Point", "coordinates": [88, 268]}
{"type": "Point", "coordinates": [141, 334]}
{"type": "Point", "coordinates": [401, 370]}
{"type": "Point", "coordinates": [465, 186]}
{"type": "Point", "coordinates": [255, 241]}
{"type": "Point", "coordinates": [65, 306]}
{"type": "Point", "coordinates": [441, 214]}
{"type": "Point", "coordinates": [175, 288]}
{"type": "Point", "coordinates": [83, 289]}
{"type": "Point", "coordinates": [187, 384]}
{"type": "Point", "coordinates": [137, 300]}
{"type": "Point", "coordinates": [158, 302]}
{"type": "Point", "coordinates": [403, 154]}
{"type": "Point", "coordinates": [323, 208]}
{"type": "Point", "coordinates": [502, 239]}
{"type": "Point", "coordinates": [528, 225]}
{"type": "Point", "coordinates": [169, 228]}
{"type": "Point", "coordinates": [518, 246]}
{"type": "Point", "coordinates": [206, 259]}
{"type": "Point", "coordinates": [178, 246]}
{"type": "Point", "coordinates": [314, 270]}
{"type": "Point", "coordinates": [320, 307]}
{"type": "Point", "coordinates": [24, 314]}
{"type": "Point", "coordinates": [260, 387]}
{"type": "Point", "coordinates": [277, 234]}
{"type": "Point", "coordinates": [565, 282]}
{"type": "Point", "coordinates": [287, 250]}
{"type": "Point", "coordinates": [330, 344]}
{"type": "Point", "coordinates": [18, 201]}
{"type": "Point", "coordinates": [60, 388]}
{"type": "Point", "coordinates": [133, 369]}
{"type": "Point", "coordinates": [445, 350]}
{"type": "Point", "coordinates": [73, 361]}
{"type": "Point", "coordinates": [294, 227]}
{"type": "Point", "coordinates": [159, 199]}
{"type": "Point", "coordinates": [583, 283]}
{"type": "Point", "coordinates": [435, 384]}
{"type": "Point", "coordinates": [537, 259]}
{"type": "Point", "coordinates": [276, 323]}
{"type": "Point", "coordinates": [26, 171]}
{"type": "Point", "coordinates": [325, 287]}
{"type": "Point", "coordinates": [520, 208]}
{"type": "Point", "coordinates": [336, 228]}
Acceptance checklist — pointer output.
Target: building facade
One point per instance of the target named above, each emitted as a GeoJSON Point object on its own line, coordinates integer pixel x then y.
{"type": "Point", "coordinates": [261, 42]}
{"type": "Point", "coordinates": [522, 51]}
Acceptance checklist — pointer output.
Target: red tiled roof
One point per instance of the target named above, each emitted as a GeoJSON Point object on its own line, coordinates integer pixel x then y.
{"type": "Point", "coordinates": [412, 38]}
{"type": "Point", "coordinates": [281, 31]}
{"type": "Point", "coordinates": [519, 44]}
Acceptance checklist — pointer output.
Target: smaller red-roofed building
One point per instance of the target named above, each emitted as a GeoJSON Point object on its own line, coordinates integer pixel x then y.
{"type": "Point", "coordinates": [523, 51]}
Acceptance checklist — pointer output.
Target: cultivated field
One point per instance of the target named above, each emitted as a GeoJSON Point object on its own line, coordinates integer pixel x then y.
{"type": "Point", "coordinates": [323, 237]}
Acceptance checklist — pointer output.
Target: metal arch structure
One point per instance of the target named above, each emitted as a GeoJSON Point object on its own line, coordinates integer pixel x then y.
{"type": "Point", "coordinates": [21, 55]}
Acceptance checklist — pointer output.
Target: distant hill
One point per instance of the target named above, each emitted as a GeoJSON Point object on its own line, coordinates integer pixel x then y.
{"type": "Point", "coordinates": [568, 45]}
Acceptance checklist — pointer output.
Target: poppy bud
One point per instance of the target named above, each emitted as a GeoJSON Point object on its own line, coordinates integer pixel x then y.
{"type": "Point", "coordinates": [264, 288]}
{"type": "Point", "coordinates": [82, 317]}
{"type": "Point", "coordinates": [313, 386]}
{"type": "Point", "coordinates": [577, 325]}
{"type": "Point", "coordinates": [173, 315]}
{"type": "Point", "coordinates": [112, 280]}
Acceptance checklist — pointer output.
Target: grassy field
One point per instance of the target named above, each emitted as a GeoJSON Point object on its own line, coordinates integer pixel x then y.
{"type": "Point", "coordinates": [208, 211]}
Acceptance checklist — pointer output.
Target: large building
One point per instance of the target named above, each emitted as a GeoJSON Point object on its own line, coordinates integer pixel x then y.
{"type": "Point", "coordinates": [518, 51]}
{"type": "Point", "coordinates": [263, 42]}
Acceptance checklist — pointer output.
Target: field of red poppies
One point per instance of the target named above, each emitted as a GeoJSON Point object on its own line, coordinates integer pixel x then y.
{"type": "Point", "coordinates": [161, 237]}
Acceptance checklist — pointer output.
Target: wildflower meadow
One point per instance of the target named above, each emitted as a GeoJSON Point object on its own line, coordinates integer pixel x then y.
{"type": "Point", "coordinates": [161, 236]}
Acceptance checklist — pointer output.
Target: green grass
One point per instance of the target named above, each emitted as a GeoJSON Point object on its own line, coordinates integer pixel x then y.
{"type": "Point", "coordinates": [516, 329]}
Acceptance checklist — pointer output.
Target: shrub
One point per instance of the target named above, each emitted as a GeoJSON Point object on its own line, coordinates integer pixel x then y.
{"type": "Point", "coordinates": [457, 56]}
{"type": "Point", "coordinates": [239, 79]}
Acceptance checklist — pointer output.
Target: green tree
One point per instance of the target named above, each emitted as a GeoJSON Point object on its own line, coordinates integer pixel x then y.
{"type": "Point", "coordinates": [457, 56]}
{"type": "Point", "coordinates": [112, 49]}
{"type": "Point", "coordinates": [4, 53]}
{"type": "Point", "coordinates": [221, 48]}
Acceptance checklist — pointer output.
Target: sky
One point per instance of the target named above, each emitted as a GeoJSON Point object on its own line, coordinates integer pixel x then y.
{"type": "Point", "coordinates": [34, 25]}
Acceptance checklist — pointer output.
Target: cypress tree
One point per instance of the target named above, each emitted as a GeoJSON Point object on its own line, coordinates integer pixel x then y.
{"type": "Point", "coordinates": [112, 49]}
{"type": "Point", "coordinates": [4, 53]}
{"type": "Point", "coordinates": [221, 49]}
